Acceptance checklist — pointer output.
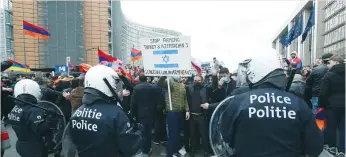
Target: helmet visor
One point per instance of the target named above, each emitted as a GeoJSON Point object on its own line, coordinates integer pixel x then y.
{"type": "Point", "coordinates": [242, 74]}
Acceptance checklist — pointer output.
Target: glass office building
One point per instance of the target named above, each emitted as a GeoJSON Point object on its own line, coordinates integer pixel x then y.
{"type": "Point", "coordinates": [334, 32]}
{"type": "Point", "coordinates": [6, 30]}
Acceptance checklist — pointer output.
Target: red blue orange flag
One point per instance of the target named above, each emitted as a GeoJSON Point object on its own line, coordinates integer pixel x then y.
{"type": "Point", "coordinates": [35, 31]}
{"type": "Point", "coordinates": [135, 54]}
{"type": "Point", "coordinates": [103, 57]}
{"type": "Point", "coordinates": [70, 65]}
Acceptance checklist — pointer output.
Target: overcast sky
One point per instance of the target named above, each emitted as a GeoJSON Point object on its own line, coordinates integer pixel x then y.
{"type": "Point", "coordinates": [232, 31]}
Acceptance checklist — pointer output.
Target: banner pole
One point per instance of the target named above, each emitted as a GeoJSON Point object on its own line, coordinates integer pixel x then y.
{"type": "Point", "coordinates": [169, 94]}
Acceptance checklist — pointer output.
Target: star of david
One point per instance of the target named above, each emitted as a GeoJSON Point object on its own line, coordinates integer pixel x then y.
{"type": "Point", "coordinates": [165, 58]}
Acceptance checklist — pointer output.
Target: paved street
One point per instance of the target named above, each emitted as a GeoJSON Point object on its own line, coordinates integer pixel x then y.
{"type": "Point", "coordinates": [158, 150]}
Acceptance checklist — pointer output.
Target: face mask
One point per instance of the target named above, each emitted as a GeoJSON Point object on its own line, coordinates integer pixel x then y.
{"type": "Point", "coordinates": [225, 79]}
{"type": "Point", "coordinates": [197, 84]}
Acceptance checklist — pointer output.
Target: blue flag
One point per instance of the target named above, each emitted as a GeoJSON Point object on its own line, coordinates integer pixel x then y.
{"type": "Point", "coordinates": [311, 22]}
{"type": "Point", "coordinates": [297, 28]}
{"type": "Point", "coordinates": [285, 40]}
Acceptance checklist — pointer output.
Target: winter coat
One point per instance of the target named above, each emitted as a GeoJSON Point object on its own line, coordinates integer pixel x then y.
{"type": "Point", "coordinates": [333, 88]}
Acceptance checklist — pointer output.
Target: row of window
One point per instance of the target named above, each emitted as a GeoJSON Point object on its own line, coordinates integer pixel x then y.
{"type": "Point", "coordinates": [7, 5]}
{"type": "Point", "coordinates": [337, 5]}
{"type": "Point", "coordinates": [334, 47]}
{"type": "Point", "coordinates": [334, 36]}
{"type": "Point", "coordinates": [336, 20]}
{"type": "Point", "coordinates": [9, 31]}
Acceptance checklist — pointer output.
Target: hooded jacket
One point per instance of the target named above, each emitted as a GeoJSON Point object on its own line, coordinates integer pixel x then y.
{"type": "Point", "coordinates": [333, 88]}
{"type": "Point", "coordinates": [297, 86]}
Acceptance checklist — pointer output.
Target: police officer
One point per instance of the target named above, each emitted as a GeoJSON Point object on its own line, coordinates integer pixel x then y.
{"type": "Point", "coordinates": [100, 127]}
{"type": "Point", "coordinates": [29, 123]}
{"type": "Point", "coordinates": [267, 121]}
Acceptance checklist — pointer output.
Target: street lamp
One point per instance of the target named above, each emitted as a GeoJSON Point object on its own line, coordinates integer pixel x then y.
{"type": "Point", "coordinates": [86, 53]}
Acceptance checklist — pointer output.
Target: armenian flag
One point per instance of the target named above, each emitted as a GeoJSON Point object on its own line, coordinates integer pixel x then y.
{"type": "Point", "coordinates": [135, 54]}
{"type": "Point", "coordinates": [35, 31]}
{"type": "Point", "coordinates": [16, 66]}
{"type": "Point", "coordinates": [70, 65]}
{"type": "Point", "coordinates": [103, 57]}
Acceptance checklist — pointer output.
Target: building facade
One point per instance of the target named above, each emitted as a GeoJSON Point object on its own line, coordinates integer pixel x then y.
{"type": "Point", "coordinates": [6, 30]}
{"type": "Point", "coordinates": [326, 36]}
{"type": "Point", "coordinates": [334, 30]}
{"type": "Point", "coordinates": [133, 32]}
{"type": "Point", "coordinates": [77, 28]}
{"type": "Point", "coordinates": [125, 34]}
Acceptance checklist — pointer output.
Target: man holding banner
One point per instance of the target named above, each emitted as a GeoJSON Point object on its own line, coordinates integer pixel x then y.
{"type": "Point", "coordinates": [170, 58]}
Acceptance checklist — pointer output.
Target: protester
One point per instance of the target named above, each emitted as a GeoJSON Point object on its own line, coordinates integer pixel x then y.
{"type": "Point", "coordinates": [197, 95]}
{"type": "Point", "coordinates": [145, 100]}
{"type": "Point", "coordinates": [298, 86]}
{"type": "Point", "coordinates": [178, 101]}
{"type": "Point", "coordinates": [332, 99]}
{"type": "Point", "coordinates": [296, 60]}
{"type": "Point", "coordinates": [313, 82]}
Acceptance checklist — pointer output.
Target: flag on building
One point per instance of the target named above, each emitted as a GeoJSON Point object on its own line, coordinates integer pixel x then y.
{"type": "Point", "coordinates": [198, 69]}
{"type": "Point", "coordinates": [35, 31]}
{"type": "Point", "coordinates": [16, 66]}
{"type": "Point", "coordinates": [105, 57]}
{"type": "Point", "coordinates": [297, 29]}
{"type": "Point", "coordinates": [285, 39]}
{"type": "Point", "coordinates": [310, 23]}
{"type": "Point", "coordinates": [135, 54]}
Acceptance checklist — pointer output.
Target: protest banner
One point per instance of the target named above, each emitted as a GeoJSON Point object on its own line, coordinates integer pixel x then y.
{"type": "Point", "coordinates": [166, 56]}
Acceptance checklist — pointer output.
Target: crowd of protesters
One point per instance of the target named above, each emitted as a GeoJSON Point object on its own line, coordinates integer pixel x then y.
{"type": "Point", "coordinates": [182, 117]}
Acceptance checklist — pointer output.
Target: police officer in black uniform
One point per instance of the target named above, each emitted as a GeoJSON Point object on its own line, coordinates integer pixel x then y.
{"type": "Point", "coordinates": [29, 123]}
{"type": "Point", "coordinates": [268, 121]}
{"type": "Point", "coordinates": [100, 128]}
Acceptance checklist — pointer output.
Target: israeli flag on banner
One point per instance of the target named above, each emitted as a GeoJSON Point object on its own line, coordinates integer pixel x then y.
{"type": "Point", "coordinates": [166, 54]}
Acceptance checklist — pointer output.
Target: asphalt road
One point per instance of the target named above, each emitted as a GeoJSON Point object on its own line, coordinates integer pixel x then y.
{"type": "Point", "coordinates": [158, 150]}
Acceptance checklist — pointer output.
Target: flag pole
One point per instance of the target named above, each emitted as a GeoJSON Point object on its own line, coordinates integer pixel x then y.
{"type": "Point", "coordinates": [133, 62]}
{"type": "Point", "coordinates": [24, 51]}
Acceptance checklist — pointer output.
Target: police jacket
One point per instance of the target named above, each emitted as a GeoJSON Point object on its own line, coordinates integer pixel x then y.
{"type": "Point", "coordinates": [30, 125]}
{"type": "Point", "coordinates": [313, 82]}
{"type": "Point", "coordinates": [100, 128]}
{"type": "Point", "coordinates": [333, 88]}
{"type": "Point", "coordinates": [270, 122]}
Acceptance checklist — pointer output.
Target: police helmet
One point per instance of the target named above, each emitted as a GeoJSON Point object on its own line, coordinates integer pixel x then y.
{"type": "Point", "coordinates": [241, 80]}
{"type": "Point", "coordinates": [27, 86]}
{"type": "Point", "coordinates": [94, 79]}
